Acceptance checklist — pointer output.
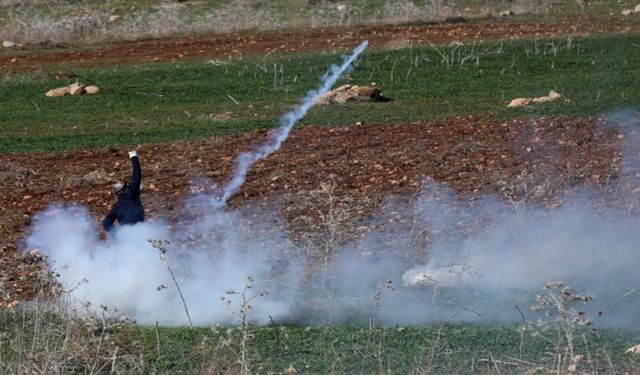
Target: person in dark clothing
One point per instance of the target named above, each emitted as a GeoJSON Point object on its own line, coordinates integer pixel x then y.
{"type": "Point", "coordinates": [128, 209]}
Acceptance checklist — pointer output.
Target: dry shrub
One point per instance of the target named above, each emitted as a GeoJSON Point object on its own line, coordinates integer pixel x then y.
{"type": "Point", "coordinates": [67, 22]}
{"type": "Point", "coordinates": [407, 11]}
{"type": "Point", "coordinates": [516, 6]}
{"type": "Point", "coordinates": [49, 337]}
{"type": "Point", "coordinates": [27, 25]}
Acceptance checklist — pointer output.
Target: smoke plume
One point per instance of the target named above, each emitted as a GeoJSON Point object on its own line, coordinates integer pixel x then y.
{"type": "Point", "coordinates": [484, 258]}
{"type": "Point", "coordinates": [245, 160]}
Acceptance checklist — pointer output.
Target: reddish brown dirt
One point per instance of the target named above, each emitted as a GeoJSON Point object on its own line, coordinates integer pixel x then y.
{"type": "Point", "coordinates": [220, 46]}
{"type": "Point", "coordinates": [476, 155]}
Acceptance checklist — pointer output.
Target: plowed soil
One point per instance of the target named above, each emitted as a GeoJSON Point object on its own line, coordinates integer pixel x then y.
{"type": "Point", "coordinates": [37, 57]}
{"type": "Point", "coordinates": [476, 155]}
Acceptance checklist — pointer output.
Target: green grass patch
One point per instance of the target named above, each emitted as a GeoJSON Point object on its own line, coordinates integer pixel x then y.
{"type": "Point", "coordinates": [32, 340]}
{"type": "Point", "coordinates": [194, 99]}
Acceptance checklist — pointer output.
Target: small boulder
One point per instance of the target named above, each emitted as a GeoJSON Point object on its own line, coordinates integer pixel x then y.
{"type": "Point", "coordinates": [9, 44]}
{"type": "Point", "coordinates": [97, 177]}
{"type": "Point", "coordinates": [637, 8]}
{"type": "Point", "coordinates": [92, 89]}
{"type": "Point", "coordinates": [60, 91]}
{"type": "Point", "coordinates": [627, 12]}
{"type": "Point", "coordinates": [76, 89]}
{"type": "Point", "coordinates": [114, 18]}
{"type": "Point", "coordinates": [519, 102]}
{"type": "Point", "coordinates": [364, 93]}
{"type": "Point", "coordinates": [348, 93]}
{"type": "Point", "coordinates": [634, 349]}
{"type": "Point", "coordinates": [506, 13]}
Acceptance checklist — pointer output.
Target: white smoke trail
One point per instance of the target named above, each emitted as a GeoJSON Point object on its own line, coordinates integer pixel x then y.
{"type": "Point", "coordinates": [276, 136]}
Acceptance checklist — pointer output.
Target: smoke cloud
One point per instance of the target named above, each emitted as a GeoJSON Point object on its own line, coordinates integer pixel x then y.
{"type": "Point", "coordinates": [125, 273]}
{"type": "Point", "coordinates": [484, 258]}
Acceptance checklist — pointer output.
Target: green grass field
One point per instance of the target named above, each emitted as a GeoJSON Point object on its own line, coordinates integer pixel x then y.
{"type": "Point", "coordinates": [184, 100]}
{"type": "Point", "coordinates": [439, 349]}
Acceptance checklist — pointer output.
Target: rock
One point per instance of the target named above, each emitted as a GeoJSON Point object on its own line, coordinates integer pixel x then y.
{"type": "Point", "coordinates": [637, 9]}
{"type": "Point", "coordinates": [549, 98]}
{"type": "Point", "coordinates": [347, 93]}
{"type": "Point", "coordinates": [96, 177]}
{"type": "Point", "coordinates": [554, 95]}
{"type": "Point", "coordinates": [9, 44]}
{"type": "Point", "coordinates": [114, 18]}
{"type": "Point", "coordinates": [365, 93]}
{"type": "Point", "coordinates": [92, 89]}
{"type": "Point", "coordinates": [506, 13]}
{"type": "Point", "coordinates": [634, 349]}
{"type": "Point", "coordinates": [76, 89]}
{"type": "Point", "coordinates": [519, 102]}
{"type": "Point", "coordinates": [627, 12]}
{"type": "Point", "coordinates": [60, 91]}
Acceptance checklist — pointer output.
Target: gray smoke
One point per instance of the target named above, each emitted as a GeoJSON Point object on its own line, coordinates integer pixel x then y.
{"type": "Point", "coordinates": [125, 273]}
{"type": "Point", "coordinates": [484, 257]}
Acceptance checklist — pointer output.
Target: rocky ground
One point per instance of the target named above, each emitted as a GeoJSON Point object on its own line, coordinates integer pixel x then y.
{"type": "Point", "coordinates": [542, 160]}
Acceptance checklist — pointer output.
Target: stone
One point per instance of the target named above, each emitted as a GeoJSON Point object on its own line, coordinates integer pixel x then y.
{"type": "Point", "coordinates": [9, 44]}
{"type": "Point", "coordinates": [519, 102]}
{"type": "Point", "coordinates": [634, 349]}
{"type": "Point", "coordinates": [60, 91]}
{"type": "Point", "coordinates": [364, 92]}
{"type": "Point", "coordinates": [114, 18]}
{"type": "Point", "coordinates": [96, 177]}
{"type": "Point", "coordinates": [347, 93]}
{"type": "Point", "coordinates": [92, 89]}
{"type": "Point", "coordinates": [76, 89]}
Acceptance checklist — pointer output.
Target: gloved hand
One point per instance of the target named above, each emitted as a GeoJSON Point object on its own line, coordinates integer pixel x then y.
{"type": "Point", "coordinates": [132, 154]}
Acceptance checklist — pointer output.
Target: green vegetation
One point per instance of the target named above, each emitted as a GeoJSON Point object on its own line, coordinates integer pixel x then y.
{"type": "Point", "coordinates": [65, 344]}
{"type": "Point", "coordinates": [192, 99]}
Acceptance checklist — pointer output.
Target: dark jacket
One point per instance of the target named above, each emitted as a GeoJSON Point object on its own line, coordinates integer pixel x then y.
{"type": "Point", "coordinates": [128, 209]}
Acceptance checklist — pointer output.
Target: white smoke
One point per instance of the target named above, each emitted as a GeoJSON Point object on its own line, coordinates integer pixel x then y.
{"type": "Point", "coordinates": [484, 258]}
{"type": "Point", "coordinates": [127, 274]}
{"type": "Point", "coordinates": [275, 137]}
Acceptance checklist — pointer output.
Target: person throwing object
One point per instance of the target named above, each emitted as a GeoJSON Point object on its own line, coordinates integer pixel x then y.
{"type": "Point", "coordinates": [128, 209]}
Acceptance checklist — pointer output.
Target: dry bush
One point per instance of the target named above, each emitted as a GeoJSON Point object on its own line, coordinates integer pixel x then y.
{"type": "Point", "coordinates": [407, 11]}
{"type": "Point", "coordinates": [27, 25]}
{"type": "Point", "coordinates": [495, 7]}
{"type": "Point", "coordinates": [50, 337]}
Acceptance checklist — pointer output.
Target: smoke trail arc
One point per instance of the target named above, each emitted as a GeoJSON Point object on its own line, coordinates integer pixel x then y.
{"type": "Point", "coordinates": [277, 136]}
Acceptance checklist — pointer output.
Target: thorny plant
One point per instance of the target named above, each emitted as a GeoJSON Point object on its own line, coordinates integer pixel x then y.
{"type": "Point", "coordinates": [382, 286]}
{"type": "Point", "coordinates": [562, 318]}
{"type": "Point", "coordinates": [243, 317]}
{"type": "Point", "coordinates": [326, 219]}
{"type": "Point", "coordinates": [162, 246]}
{"type": "Point", "coordinates": [51, 337]}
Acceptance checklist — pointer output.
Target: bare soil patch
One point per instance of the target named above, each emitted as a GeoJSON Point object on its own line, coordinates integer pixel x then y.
{"type": "Point", "coordinates": [330, 39]}
{"type": "Point", "coordinates": [542, 160]}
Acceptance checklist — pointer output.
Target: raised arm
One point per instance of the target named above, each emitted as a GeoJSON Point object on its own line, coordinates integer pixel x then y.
{"type": "Point", "coordinates": [136, 172]}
